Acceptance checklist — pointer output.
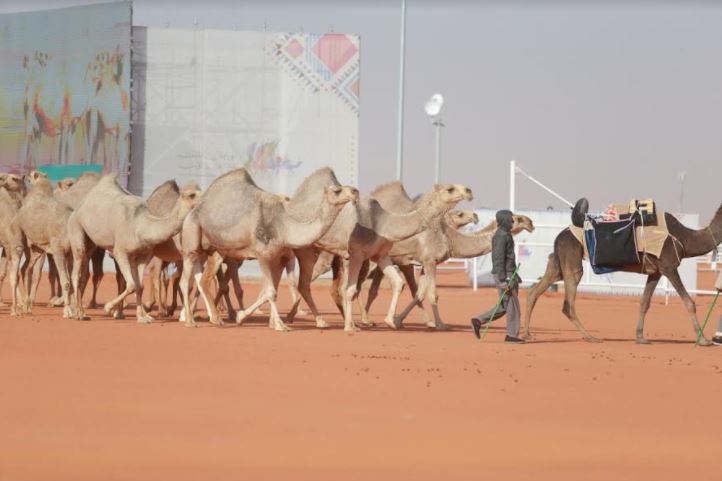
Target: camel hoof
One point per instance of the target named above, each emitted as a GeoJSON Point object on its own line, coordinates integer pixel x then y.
{"type": "Point", "coordinates": [145, 320]}
{"type": "Point", "coordinates": [351, 329]}
{"type": "Point", "coordinates": [93, 305]}
{"type": "Point", "coordinates": [240, 316]}
{"type": "Point", "coordinates": [190, 323]}
{"type": "Point", "coordinates": [321, 324]}
{"type": "Point", "coordinates": [301, 312]}
{"type": "Point", "coordinates": [367, 323]}
{"type": "Point", "coordinates": [642, 340]}
{"type": "Point", "coordinates": [593, 339]}
{"type": "Point", "coordinates": [118, 314]}
{"type": "Point", "coordinates": [704, 342]}
{"type": "Point", "coordinates": [216, 322]}
{"type": "Point", "coordinates": [442, 327]}
{"type": "Point", "coordinates": [281, 327]}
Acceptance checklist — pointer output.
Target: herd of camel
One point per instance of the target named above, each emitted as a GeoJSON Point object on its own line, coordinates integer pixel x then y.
{"type": "Point", "coordinates": [323, 226]}
{"type": "Point", "coordinates": [207, 235]}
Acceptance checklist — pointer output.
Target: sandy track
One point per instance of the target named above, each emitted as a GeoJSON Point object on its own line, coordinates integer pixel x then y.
{"type": "Point", "coordinates": [113, 400]}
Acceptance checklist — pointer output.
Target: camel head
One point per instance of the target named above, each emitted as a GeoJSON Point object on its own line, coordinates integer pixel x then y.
{"type": "Point", "coordinates": [34, 177]}
{"type": "Point", "coordinates": [190, 195]}
{"type": "Point", "coordinates": [11, 182]}
{"type": "Point", "coordinates": [521, 223]}
{"type": "Point", "coordinates": [65, 184]}
{"type": "Point", "coordinates": [452, 194]}
{"type": "Point", "coordinates": [459, 218]}
{"type": "Point", "coordinates": [284, 199]}
{"type": "Point", "coordinates": [339, 195]}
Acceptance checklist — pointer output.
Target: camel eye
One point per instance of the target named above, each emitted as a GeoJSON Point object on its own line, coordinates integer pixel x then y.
{"type": "Point", "coordinates": [450, 190]}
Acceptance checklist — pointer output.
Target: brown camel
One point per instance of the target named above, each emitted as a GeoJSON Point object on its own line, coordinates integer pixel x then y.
{"type": "Point", "coordinates": [565, 263]}
{"type": "Point", "coordinates": [367, 231]}
{"type": "Point", "coordinates": [235, 219]}
{"type": "Point", "coordinates": [111, 218]}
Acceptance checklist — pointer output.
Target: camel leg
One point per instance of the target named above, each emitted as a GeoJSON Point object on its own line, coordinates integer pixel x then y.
{"type": "Point", "coordinates": [203, 283]}
{"type": "Point", "coordinates": [673, 276]}
{"type": "Point", "coordinates": [362, 308]}
{"type": "Point", "coordinates": [271, 270]}
{"type": "Point", "coordinates": [418, 293]}
{"type": "Point", "coordinates": [61, 265]}
{"type": "Point", "coordinates": [120, 281]}
{"type": "Point", "coordinates": [224, 281]}
{"type": "Point", "coordinates": [80, 260]}
{"type": "Point", "coordinates": [376, 278]}
{"type": "Point", "coordinates": [3, 272]}
{"type": "Point", "coordinates": [154, 269]}
{"type": "Point", "coordinates": [237, 287]}
{"type": "Point", "coordinates": [306, 260]}
{"type": "Point", "coordinates": [129, 270]}
{"type": "Point", "coordinates": [53, 280]}
{"type": "Point", "coordinates": [97, 260]}
{"type": "Point", "coordinates": [174, 281]}
{"type": "Point", "coordinates": [338, 283]}
{"type": "Point", "coordinates": [293, 285]}
{"type": "Point", "coordinates": [551, 275]}
{"type": "Point", "coordinates": [651, 285]}
{"type": "Point", "coordinates": [397, 285]}
{"type": "Point", "coordinates": [15, 286]}
{"type": "Point", "coordinates": [431, 292]}
{"type": "Point", "coordinates": [141, 314]}
{"type": "Point", "coordinates": [33, 275]}
{"type": "Point", "coordinates": [354, 267]}
{"type": "Point", "coordinates": [570, 296]}
{"type": "Point", "coordinates": [191, 266]}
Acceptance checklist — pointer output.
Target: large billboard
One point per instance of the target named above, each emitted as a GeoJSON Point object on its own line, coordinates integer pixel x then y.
{"type": "Point", "coordinates": [208, 101]}
{"type": "Point", "coordinates": [65, 88]}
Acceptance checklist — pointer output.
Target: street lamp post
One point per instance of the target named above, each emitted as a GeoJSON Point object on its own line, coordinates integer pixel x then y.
{"type": "Point", "coordinates": [433, 109]}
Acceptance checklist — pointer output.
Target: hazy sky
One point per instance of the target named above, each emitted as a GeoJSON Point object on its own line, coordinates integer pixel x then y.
{"type": "Point", "coordinates": [603, 99]}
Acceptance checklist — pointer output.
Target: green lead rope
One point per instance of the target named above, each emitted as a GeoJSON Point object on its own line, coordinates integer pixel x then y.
{"type": "Point", "coordinates": [501, 299]}
{"type": "Point", "coordinates": [701, 331]}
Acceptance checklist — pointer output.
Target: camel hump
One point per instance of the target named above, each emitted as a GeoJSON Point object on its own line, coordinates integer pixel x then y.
{"type": "Point", "coordinates": [235, 175]}
{"type": "Point", "coordinates": [310, 192]}
{"type": "Point", "coordinates": [579, 212]}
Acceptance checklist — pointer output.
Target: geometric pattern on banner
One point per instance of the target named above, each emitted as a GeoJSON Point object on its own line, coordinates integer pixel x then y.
{"type": "Point", "coordinates": [328, 62]}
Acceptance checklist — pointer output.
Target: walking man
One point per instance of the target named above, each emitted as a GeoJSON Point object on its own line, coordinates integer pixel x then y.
{"type": "Point", "coordinates": [717, 339]}
{"type": "Point", "coordinates": [503, 269]}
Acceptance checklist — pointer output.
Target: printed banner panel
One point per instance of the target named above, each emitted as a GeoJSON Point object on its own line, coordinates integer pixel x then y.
{"type": "Point", "coordinates": [65, 88]}
{"type": "Point", "coordinates": [209, 101]}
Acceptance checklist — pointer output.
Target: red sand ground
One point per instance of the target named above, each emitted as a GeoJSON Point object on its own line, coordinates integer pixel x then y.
{"type": "Point", "coordinates": [113, 400]}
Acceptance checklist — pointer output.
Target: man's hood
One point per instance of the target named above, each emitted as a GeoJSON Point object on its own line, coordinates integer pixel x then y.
{"type": "Point", "coordinates": [504, 219]}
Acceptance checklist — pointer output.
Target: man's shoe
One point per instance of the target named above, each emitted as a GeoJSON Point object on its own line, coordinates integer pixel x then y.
{"type": "Point", "coordinates": [476, 326]}
{"type": "Point", "coordinates": [717, 340]}
{"type": "Point", "coordinates": [514, 340]}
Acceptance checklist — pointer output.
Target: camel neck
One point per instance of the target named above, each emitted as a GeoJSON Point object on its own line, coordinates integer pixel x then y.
{"type": "Point", "coordinates": [698, 242]}
{"type": "Point", "coordinates": [156, 229]}
{"type": "Point", "coordinates": [301, 233]}
{"type": "Point", "coordinates": [469, 245]}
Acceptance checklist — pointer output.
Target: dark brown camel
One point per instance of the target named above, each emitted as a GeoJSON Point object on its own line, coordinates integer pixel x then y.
{"type": "Point", "coordinates": [566, 264]}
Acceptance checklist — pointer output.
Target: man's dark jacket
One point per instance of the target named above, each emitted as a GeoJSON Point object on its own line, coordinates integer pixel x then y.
{"type": "Point", "coordinates": [502, 246]}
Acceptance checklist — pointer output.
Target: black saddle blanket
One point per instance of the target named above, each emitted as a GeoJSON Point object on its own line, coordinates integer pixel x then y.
{"type": "Point", "coordinates": [615, 243]}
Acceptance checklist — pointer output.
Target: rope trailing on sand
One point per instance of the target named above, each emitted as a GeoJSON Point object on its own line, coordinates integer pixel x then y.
{"type": "Point", "coordinates": [501, 299]}
{"type": "Point", "coordinates": [701, 331]}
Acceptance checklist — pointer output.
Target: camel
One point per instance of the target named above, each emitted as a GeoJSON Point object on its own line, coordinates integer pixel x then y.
{"type": "Point", "coordinates": [12, 190]}
{"type": "Point", "coordinates": [73, 196]}
{"type": "Point", "coordinates": [565, 263]}
{"type": "Point", "coordinates": [43, 220]}
{"type": "Point", "coordinates": [236, 219]}
{"type": "Point", "coordinates": [160, 203]}
{"type": "Point", "coordinates": [53, 278]}
{"type": "Point", "coordinates": [367, 231]}
{"type": "Point", "coordinates": [455, 219]}
{"type": "Point", "coordinates": [110, 218]}
{"type": "Point", "coordinates": [440, 242]}
{"type": "Point", "coordinates": [431, 248]}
